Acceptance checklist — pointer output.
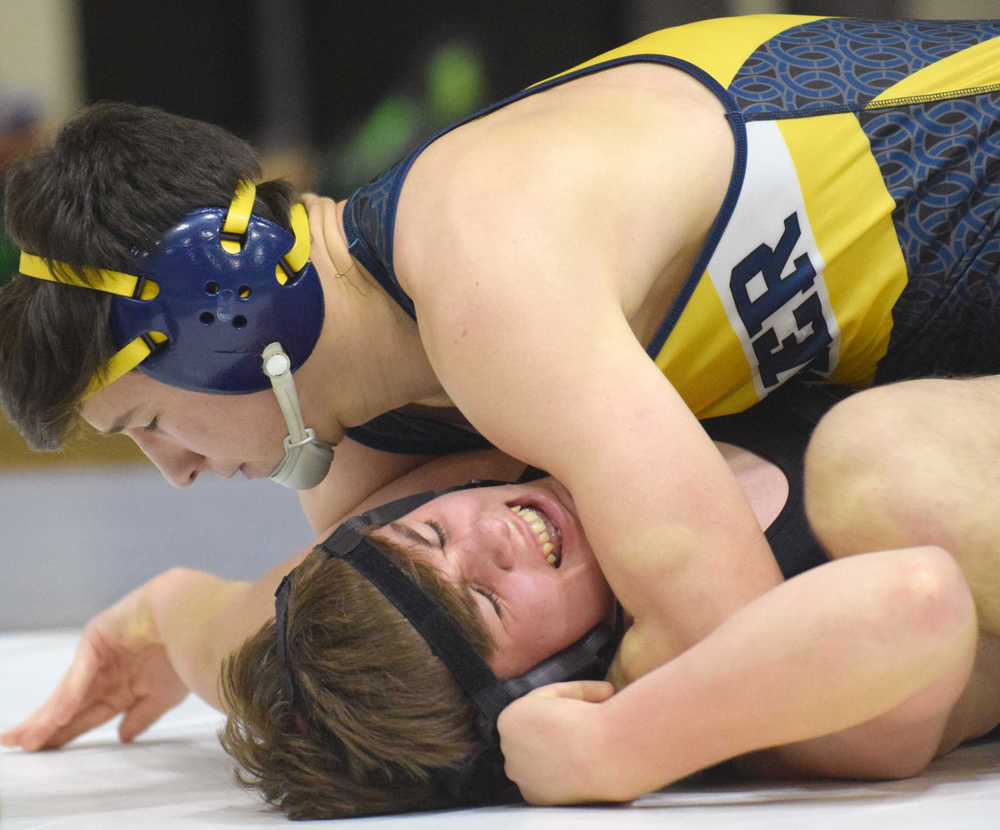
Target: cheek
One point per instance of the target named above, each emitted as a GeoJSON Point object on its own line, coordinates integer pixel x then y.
{"type": "Point", "coordinates": [586, 601]}
{"type": "Point", "coordinates": [239, 426]}
{"type": "Point", "coordinates": [556, 613]}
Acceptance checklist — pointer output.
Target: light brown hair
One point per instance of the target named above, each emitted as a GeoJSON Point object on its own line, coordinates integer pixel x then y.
{"type": "Point", "coordinates": [379, 711]}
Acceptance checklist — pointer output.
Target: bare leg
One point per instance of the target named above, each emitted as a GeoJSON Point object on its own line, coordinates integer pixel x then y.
{"type": "Point", "coordinates": [914, 463]}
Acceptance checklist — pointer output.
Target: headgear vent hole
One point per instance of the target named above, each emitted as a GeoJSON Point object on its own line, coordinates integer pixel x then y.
{"type": "Point", "coordinates": [239, 321]}
{"type": "Point", "coordinates": [211, 288]}
{"type": "Point", "coordinates": [207, 317]}
{"type": "Point", "coordinates": [244, 292]}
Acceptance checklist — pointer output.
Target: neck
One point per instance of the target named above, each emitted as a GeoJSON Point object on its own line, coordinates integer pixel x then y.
{"type": "Point", "coordinates": [369, 358]}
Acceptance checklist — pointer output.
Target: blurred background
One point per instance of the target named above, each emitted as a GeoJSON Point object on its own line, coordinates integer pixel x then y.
{"type": "Point", "coordinates": [330, 93]}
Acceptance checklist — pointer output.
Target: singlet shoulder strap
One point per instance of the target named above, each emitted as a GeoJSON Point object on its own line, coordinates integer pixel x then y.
{"type": "Point", "coordinates": [778, 429]}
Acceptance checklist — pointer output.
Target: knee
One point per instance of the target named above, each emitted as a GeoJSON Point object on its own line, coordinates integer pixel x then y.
{"type": "Point", "coordinates": [848, 469]}
{"type": "Point", "coordinates": [871, 479]}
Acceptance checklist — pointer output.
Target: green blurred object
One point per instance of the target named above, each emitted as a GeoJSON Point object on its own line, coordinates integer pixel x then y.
{"type": "Point", "coordinates": [378, 141]}
{"type": "Point", "coordinates": [456, 82]}
{"type": "Point", "coordinates": [452, 84]}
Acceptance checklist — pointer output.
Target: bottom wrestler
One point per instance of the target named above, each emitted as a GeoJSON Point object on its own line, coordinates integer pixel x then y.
{"type": "Point", "coordinates": [863, 666]}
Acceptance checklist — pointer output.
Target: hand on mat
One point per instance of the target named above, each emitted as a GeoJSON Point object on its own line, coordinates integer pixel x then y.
{"type": "Point", "coordinates": [552, 743]}
{"type": "Point", "coordinates": [120, 666]}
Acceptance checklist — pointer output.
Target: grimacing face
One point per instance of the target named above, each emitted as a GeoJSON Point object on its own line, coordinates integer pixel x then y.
{"type": "Point", "coordinates": [522, 553]}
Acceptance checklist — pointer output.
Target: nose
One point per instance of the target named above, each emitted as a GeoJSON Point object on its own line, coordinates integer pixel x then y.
{"type": "Point", "coordinates": [497, 540]}
{"type": "Point", "coordinates": [177, 465]}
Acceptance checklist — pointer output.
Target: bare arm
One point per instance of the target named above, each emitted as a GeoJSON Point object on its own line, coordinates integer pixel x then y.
{"type": "Point", "coordinates": [521, 291]}
{"type": "Point", "coordinates": [883, 634]}
{"type": "Point", "coordinates": [357, 473]}
{"type": "Point", "coordinates": [142, 655]}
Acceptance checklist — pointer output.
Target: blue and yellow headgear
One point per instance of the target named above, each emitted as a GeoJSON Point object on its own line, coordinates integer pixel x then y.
{"type": "Point", "coordinates": [227, 302]}
{"type": "Point", "coordinates": [217, 289]}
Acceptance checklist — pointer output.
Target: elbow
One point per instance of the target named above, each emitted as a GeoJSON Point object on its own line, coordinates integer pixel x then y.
{"type": "Point", "coordinates": [933, 598]}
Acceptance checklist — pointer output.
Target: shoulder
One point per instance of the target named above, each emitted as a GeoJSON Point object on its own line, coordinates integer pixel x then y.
{"type": "Point", "coordinates": [580, 166]}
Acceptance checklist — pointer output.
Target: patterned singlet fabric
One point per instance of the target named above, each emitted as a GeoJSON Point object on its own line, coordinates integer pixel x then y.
{"type": "Point", "coordinates": [858, 240]}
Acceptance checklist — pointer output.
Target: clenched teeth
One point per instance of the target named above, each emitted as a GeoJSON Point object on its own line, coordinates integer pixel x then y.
{"type": "Point", "coordinates": [537, 524]}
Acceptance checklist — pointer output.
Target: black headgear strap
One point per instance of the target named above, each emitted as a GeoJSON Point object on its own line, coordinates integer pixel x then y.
{"type": "Point", "coordinates": [480, 779]}
{"type": "Point", "coordinates": [446, 638]}
{"type": "Point", "coordinates": [292, 691]}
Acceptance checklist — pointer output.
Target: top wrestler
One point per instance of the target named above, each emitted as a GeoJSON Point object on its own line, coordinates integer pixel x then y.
{"type": "Point", "coordinates": [723, 204]}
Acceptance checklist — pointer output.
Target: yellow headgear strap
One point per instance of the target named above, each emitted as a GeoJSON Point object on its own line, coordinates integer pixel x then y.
{"type": "Point", "coordinates": [99, 279]}
{"type": "Point", "coordinates": [238, 219]}
{"type": "Point", "coordinates": [127, 285]}
{"type": "Point", "coordinates": [111, 282]}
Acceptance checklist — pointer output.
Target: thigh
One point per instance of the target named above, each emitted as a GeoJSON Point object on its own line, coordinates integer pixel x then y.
{"type": "Point", "coordinates": [909, 464]}
{"type": "Point", "coordinates": [978, 709]}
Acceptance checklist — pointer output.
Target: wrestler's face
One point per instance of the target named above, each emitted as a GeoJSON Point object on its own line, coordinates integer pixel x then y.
{"type": "Point", "coordinates": [185, 433]}
{"type": "Point", "coordinates": [521, 552]}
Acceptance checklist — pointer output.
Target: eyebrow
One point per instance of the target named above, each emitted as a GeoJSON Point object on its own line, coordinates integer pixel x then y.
{"type": "Point", "coordinates": [410, 533]}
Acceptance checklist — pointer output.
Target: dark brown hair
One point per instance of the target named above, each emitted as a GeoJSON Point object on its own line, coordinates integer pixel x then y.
{"type": "Point", "coordinates": [116, 178]}
{"type": "Point", "coordinates": [379, 711]}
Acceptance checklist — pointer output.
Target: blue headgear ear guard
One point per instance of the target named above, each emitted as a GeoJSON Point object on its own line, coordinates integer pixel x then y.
{"type": "Point", "coordinates": [480, 779]}
{"type": "Point", "coordinates": [217, 288]}
{"type": "Point", "coordinates": [219, 308]}
{"type": "Point", "coordinates": [226, 302]}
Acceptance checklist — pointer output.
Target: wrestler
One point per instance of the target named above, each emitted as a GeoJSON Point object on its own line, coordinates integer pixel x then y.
{"type": "Point", "coordinates": [668, 231]}
{"type": "Point", "coordinates": [862, 667]}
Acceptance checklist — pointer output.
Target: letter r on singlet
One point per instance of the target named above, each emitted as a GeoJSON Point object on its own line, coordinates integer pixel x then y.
{"type": "Point", "coordinates": [763, 296]}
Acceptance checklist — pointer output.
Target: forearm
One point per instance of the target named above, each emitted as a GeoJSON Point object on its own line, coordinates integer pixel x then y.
{"type": "Point", "coordinates": [201, 618]}
{"type": "Point", "coordinates": [362, 478]}
{"type": "Point", "coordinates": [198, 618]}
{"type": "Point", "coordinates": [691, 567]}
{"type": "Point", "coordinates": [829, 650]}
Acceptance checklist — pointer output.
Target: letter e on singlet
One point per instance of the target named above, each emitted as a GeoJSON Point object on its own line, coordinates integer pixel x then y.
{"type": "Point", "coordinates": [768, 271]}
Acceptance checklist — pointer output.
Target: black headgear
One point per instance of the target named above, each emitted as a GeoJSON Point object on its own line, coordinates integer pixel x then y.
{"type": "Point", "coordinates": [480, 779]}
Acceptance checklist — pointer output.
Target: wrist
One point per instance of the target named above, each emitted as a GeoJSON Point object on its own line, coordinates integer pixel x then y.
{"type": "Point", "coordinates": [617, 742]}
{"type": "Point", "coordinates": [601, 752]}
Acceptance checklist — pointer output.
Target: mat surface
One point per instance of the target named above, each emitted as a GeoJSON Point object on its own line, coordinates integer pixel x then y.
{"type": "Point", "coordinates": [177, 776]}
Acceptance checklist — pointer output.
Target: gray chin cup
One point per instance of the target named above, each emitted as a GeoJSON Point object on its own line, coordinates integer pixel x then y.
{"type": "Point", "coordinates": [307, 459]}
{"type": "Point", "coordinates": [305, 464]}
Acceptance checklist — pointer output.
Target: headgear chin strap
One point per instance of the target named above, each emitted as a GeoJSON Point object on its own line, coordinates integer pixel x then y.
{"type": "Point", "coordinates": [307, 460]}
{"type": "Point", "coordinates": [480, 779]}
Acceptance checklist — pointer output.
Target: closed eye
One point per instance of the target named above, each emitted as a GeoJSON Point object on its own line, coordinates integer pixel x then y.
{"type": "Point", "coordinates": [152, 425]}
{"type": "Point", "coordinates": [439, 531]}
{"type": "Point", "coordinates": [491, 596]}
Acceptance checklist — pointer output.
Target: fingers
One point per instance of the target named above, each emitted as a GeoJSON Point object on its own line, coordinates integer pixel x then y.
{"type": "Point", "coordinates": [43, 731]}
{"type": "Point", "coordinates": [589, 691]}
{"type": "Point", "coordinates": [139, 718]}
{"type": "Point", "coordinates": [83, 721]}
{"type": "Point", "coordinates": [35, 731]}
{"type": "Point", "coordinates": [59, 711]}
{"type": "Point", "coordinates": [551, 739]}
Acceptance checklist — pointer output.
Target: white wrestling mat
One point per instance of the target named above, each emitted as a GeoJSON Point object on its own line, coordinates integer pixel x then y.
{"type": "Point", "coordinates": [176, 775]}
